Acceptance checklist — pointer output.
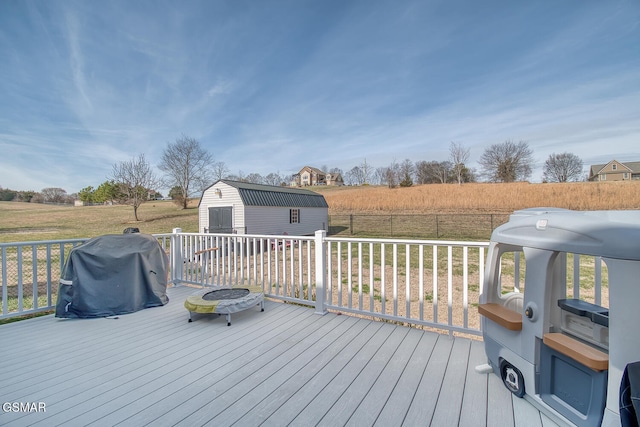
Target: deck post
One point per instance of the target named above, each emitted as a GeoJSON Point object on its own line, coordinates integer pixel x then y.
{"type": "Point", "coordinates": [321, 271]}
{"type": "Point", "coordinates": [176, 258]}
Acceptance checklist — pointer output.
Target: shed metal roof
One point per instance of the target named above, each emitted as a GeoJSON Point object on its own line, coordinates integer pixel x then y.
{"type": "Point", "coordinates": [269, 195]}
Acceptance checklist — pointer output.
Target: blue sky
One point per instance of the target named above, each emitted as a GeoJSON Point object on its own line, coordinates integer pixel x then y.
{"type": "Point", "coordinates": [271, 86]}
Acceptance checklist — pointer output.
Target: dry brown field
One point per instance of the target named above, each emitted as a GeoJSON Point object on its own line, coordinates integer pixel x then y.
{"type": "Point", "coordinates": [482, 198]}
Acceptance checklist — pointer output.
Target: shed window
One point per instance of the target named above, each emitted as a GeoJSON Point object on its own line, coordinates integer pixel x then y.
{"type": "Point", "coordinates": [294, 216]}
{"type": "Point", "coordinates": [614, 167]}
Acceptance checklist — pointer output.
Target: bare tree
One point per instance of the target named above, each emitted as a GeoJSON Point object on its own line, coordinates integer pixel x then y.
{"type": "Point", "coordinates": [507, 162]}
{"type": "Point", "coordinates": [441, 171]}
{"type": "Point", "coordinates": [354, 176]}
{"type": "Point", "coordinates": [54, 195]}
{"type": "Point", "coordinates": [562, 167]}
{"type": "Point", "coordinates": [421, 175]}
{"type": "Point", "coordinates": [380, 176]}
{"type": "Point", "coordinates": [366, 170]}
{"type": "Point", "coordinates": [219, 170]}
{"type": "Point", "coordinates": [274, 178]}
{"type": "Point", "coordinates": [392, 174]}
{"type": "Point", "coordinates": [134, 179]}
{"type": "Point", "coordinates": [188, 166]}
{"type": "Point", "coordinates": [433, 172]}
{"type": "Point", "coordinates": [254, 178]}
{"type": "Point", "coordinates": [459, 156]}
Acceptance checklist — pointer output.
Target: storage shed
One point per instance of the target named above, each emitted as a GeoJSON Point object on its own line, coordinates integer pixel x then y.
{"type": "Point", "coordinates": [243, 208]}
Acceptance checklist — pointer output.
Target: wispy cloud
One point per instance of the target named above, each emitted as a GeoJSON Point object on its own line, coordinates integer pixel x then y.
{"type": "Point", "coordinates": [81, 103]}
{"type": "Point", "coordinates": [220, 88]}
{"type": "Point", "coordinates": [275, 86]}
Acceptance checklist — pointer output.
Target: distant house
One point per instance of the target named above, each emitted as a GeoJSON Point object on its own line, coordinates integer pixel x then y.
{"type": "Point", "coordinates": [615, 171]}
{"type": "Point", "coordinates": [334, 179]}
{"type": "Point", "coordinates": [313, 176]}
{"type": "Point", "coordinates": [243, 208]}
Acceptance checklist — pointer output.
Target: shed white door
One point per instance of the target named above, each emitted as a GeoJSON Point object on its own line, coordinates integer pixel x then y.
{"type": "Point", "coordinates": [220, 220]}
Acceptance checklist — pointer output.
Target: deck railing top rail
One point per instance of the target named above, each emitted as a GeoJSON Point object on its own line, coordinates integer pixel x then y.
{"type": "Point", "coordinates": [42, 242]}
{"type": "Point", "coordinates": [409, 241]}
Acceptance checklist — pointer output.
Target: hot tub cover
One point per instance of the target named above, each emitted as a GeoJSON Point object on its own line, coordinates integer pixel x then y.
{"type": "Point", "coordinates": [113, 274]}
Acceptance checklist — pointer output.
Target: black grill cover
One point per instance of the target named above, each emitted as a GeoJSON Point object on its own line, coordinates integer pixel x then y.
{"type": "Point", "coordinates": [113, 274]}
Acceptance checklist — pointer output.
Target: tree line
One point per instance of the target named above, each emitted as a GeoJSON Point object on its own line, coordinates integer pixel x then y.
{"type": "Point", "coordinates": [504, 162]}
{"type": "Point", "coordinates": [188, 169]}
{"type": "Point", "coordinates": [46, 195]}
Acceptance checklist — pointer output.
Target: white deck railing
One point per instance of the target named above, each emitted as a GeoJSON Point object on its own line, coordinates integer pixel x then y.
{"type": "Point", "coordinates": [30, 273]}
{"type": "Point", "coordinates": [424, 282]}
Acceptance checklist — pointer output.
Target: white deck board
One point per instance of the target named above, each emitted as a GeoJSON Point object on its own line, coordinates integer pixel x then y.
{"type": "Point", "coordinates": [424, 403]}
{"type": "Point", "coordinates": [474, 407]}
{"type": "Point", "coordinates": [233, 386]}
{"type": "Point", "coordinates": [294, 386]}
{"type": "Point", "coordinates": [373, 373]}
{"type": "Point", "coordinates": [336, 390]}
{"type": "Point", "coordinates": [499, 402]}
{"type": "Point", "coordinates": [309, 391]}
{"type": "Point", "coordinates": [284, 366]}
{"type": "Point", "coordinates": [450, 399]}
{"type": "Point", "coordinates": [381, 390]}
{"type": "Point", "coordinates": [299, 365]}
{"type": "Point", "coordinates": [525, 415]}
{"type": "Point", "coordinates": [397, 405]}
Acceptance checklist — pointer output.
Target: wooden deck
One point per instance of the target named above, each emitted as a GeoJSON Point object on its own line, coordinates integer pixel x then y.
{"type": "Point", "coordinates": [286, 366]}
